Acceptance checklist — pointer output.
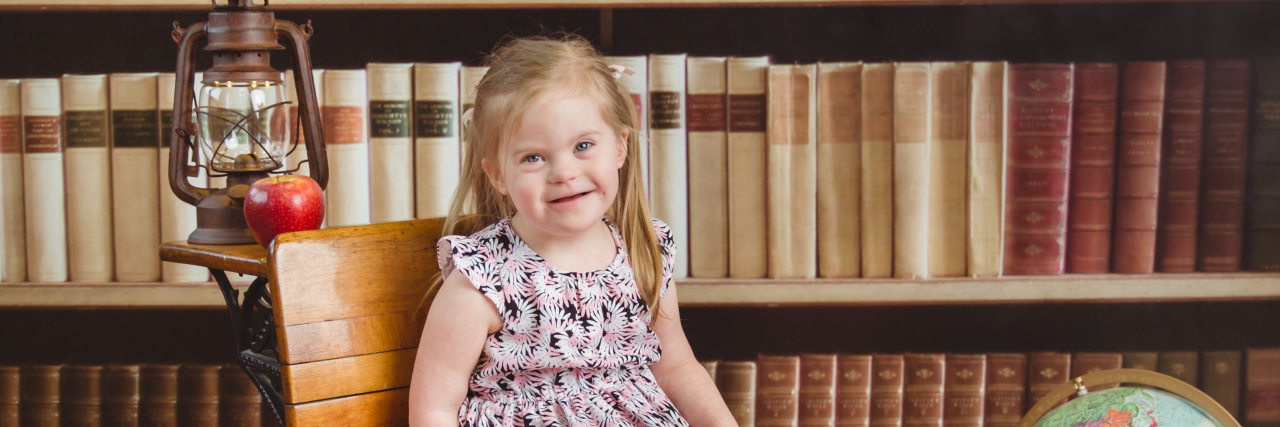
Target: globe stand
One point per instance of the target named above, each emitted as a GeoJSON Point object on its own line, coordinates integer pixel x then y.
{"type": "Point", "coordinates": [1080, 386]}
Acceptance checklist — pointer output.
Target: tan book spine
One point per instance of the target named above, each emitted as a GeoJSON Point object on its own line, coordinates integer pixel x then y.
{"type": "Point", "coordinates": [1183, 365]}
{"type": "Point", "coordinates": [853, 390]}
{"type": "Point", "coordinates": [299, 153]}
{"type": "Point", "coordinates": [986, 170]}
{"type": "Point", "coordinates": [747, 156]}
{"type": "Point", "coordinates": [44, 192]}
{"type": "Point", "coordinates": [120, 395]}
{"type": "Point", "coordinates": [638, 84]}
{"type": "Point", "coordinates": [711, 366]}
{"type": "Point", "coordinates": [346, 139]}
{"type": "Point", "coordinates": [948, 167]}
{"type": "Point", "coordinates": [839, 170]}
{"type": "Point", "coordinates": [1144, 360]}
{"type": "Point", "coordinates": [81, 399]}
{"type": "Point", "coordinates": [198, 396]}
{"type": "Point", "coordinates": [88, 177]}
{"type": "Point", "coordinates": [239, 401]}
{"type": "Point", "coordinates": [877, 170]}
{"type": "Point", "coordinates": [669, 160]}
{"type": "Point", "coordinates": [13, 219]}
{"type": "Point", "coordinates": [1221, 373]}
{"type": "Point", "coordinates": [158, 396]}
{"type": "Point", "coordinates": [886, 390]}
{"type": "Point", "coordinates": [390, 142]}
{"type": "Point", "coordinates": [177, 218]}
{"type": "Point", "coordinates": [437, 136]}
{"type": "Point", "coordinates": [708, 182]}
{"type": "Point", "coordinates": [817, 390]}
{"type": "Point", "coordinates": [737, 384]}
{"type": "Point", "coordinates": [39, 396]}
{"type": "Point", "coordinates": [1006, 389]}
{"type": "Point", "coordinates": [9, 396]}
{"type": "Point", "coordinates": [965, 390]}
{"type": "Point", "coordinates": [792, 171]}
{"type": "Point", "coordinates": [778, 391]}
{"type": "Point", "coordinates": [911, 121]}
{"type": "Point", "coordinates": [135, 176]}
{"type": "Point", "coordinates": [468, 79]}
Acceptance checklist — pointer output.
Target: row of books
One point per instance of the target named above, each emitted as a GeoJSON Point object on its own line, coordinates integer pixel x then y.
{"type": "Point", "coordinates": [909, 170]}
{"type": "Point", "coordinates": [968, 390]}
{"type": "Point", "coordinates": [130, 395]}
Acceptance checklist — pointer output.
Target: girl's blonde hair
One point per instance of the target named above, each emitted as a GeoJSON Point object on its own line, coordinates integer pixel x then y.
{"type": "Point", "coordinates": [519, 71]}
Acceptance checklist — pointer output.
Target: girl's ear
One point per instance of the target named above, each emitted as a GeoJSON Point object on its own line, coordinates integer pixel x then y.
{"type": "Point", "coordinates": [622, 147]}
{"type": "Point", "coordinates": [494, 175]}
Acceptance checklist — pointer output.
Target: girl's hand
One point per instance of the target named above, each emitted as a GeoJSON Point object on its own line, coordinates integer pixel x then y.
{"type": "Point", "coordinates": [459, 322]}
{"type": "Point", "coordinates": [680, 375]}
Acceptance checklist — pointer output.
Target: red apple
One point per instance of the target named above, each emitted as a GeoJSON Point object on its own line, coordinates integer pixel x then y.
{"type": "Point", "coordinates": [283, 204]}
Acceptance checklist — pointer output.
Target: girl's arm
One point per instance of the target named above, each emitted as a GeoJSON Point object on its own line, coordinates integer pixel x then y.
{"type": "Point", "coordinates": [457, 325]}
{"type": "Point", "coordinates": [681, 376]}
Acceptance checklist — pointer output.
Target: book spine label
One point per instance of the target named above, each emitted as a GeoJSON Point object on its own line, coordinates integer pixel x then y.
{"type": "Point", "coordinates": [708, 182]}
{"type": "Point", "coordinates": [13, 222]}
{"type": "Point", "coordinates": [1088, 363]}
{"type": "Point", "coordinates": [1180, 173]}
{"type": "Point", "coordinates": [1046, 371]}
{"type": "Point", "coordinates": [1221, 373]}
{"type": "Point", "coordinates": [737, 384]}
{"type": "Point", "coordinates": [638, 84]}
{"type": "Point", "coordinates": [669, 159]}
{"type": "Point", "coordinates": [1093, 162]}
{"type": "Point", "coordinates": [948, 167]}
{"type": "Point", "coordinates": [88, 179]}
{"type": "Point", "coordinates": [1262, 241]}
{"type": "Point", "coordinates": [886, 390]}
{"type": "Point", "coordinates": [40, 395]}
{"type": "Point", "coordinates": [44, 192]}
{"type": "Point", "coordinates": [345, 108]}
{"type": "Point", "coordinates": [747, 154]}
{"type": "Point", "coordinates": [1006, 390]}
{"type": "Point", "coordinates": [923, 390]}
{"type": "Point", "coordinates": [1039, 136]}
{"type": "Point", "coordinates": [135, 176]}
{"type": "Point", "coordinates": [437, 143]}
{"type": "Point", "coordinates": [1262, 373]}
{"type": "Point", "coordinates": [390, 142]}
{"type": "Point", "coordinates": [965, 394]}
{"type": "Point", "coordinates": [777, 391]}
{"type": "Point", "coordinates": [911, 113]}
{"type": "Point", "coordinates": [177, 218]}
{"type": "Point", "coordinates": [817, 390]}
{"type": "Point", "coordinates": [986, 170]}
{"type": "Point", "coordinates": [1183, 365]}
{"type": "Point", "coordinates": [839, 173]}
{"type": "Point", "coordinates": [1222, 187]}
{"type": "Point", "coordinates": [1138, 167]}
{"type": "Point", "coordinates": [877, 170]}
{"type": "Point", "coordinates": [853, 390]}
{"type": "Point", "coordinates": [792, 172]}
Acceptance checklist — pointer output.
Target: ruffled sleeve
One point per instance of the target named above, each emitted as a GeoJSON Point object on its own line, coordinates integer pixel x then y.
{"type": "Point", "coordinates": [475, 262]}
{"type": "Point", "coordinates": [667, 246]}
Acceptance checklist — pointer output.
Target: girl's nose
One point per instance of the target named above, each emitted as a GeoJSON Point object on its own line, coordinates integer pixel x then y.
{"type": "Point", "coordinates": [564, 170]}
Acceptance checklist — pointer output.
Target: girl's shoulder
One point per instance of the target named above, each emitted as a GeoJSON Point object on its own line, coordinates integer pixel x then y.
{"type": "Point", "coordinates": [663, 232]}
{"type": "Point", "coordinates": [483, 244]}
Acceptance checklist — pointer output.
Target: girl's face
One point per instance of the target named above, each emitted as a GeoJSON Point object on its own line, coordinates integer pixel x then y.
{"type": "Point", "coordinates": [560, 168]}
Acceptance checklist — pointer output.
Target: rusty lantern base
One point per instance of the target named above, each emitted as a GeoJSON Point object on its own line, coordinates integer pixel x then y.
{"type": "Point", "coordinates": [220, 214]}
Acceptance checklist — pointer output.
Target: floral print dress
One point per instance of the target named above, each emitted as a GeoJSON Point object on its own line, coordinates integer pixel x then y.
{"type": "Point", "coordinates": [574, 348]}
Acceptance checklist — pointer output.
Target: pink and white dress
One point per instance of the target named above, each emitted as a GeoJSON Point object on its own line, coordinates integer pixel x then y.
{"type": "Point", "coordinates": [574, 348]}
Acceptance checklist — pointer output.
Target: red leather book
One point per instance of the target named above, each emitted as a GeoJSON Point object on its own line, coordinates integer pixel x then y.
{"type": "Point", "coordinates": [1138, 167]}
{"type": "Point", "coordinates": [1006, 389]}
{"type": "Point", "coordinates": [777, 391]}
{"type": "Point", "coordinates": [1180, 173]}
{"type": "Point", "coordinates": [923, 389]}
{"type": "Point", "coordinates": [817, 390]}
{"type": "Point", "coordinates": [1038, 122]}
{"type": "Point", "coordinates": [886, 390]}
{"type": "Point", "coordinates": [853, 390]}
{"type": "Point", "coordinates": [1087, 363]}
{"type": "Point", "coordinates": [965, 390]}
{"type": "Point", "coordinates": [1262, 210]}
{"type": "Point", "coordinates": [8, 396]}
{"type": "Point", "coordinates": [1093, 167]}
{"type": "Point", "coordinates": [1222, 185]}
{"type": "Point", "coordinates": [1262, 385]}
{"type": "Point", "coordinates": [1046, 371]}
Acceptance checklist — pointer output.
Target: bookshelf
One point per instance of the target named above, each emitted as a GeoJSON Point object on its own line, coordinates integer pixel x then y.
{"type": "Point", "coordinates": [118, 5]}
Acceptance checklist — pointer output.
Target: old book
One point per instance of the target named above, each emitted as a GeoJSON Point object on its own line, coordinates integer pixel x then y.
{"type": "Point", "coordinates": [1006, 389]}
{"type": "Point", "coordinates": [986, 170]}
{"type": "Point", "coordinates": [877, 170]}
{"type": "Point", "coordinates": [239, 401]}
{"type": "Point", "coordinates": [777, 390]}
{"type": "Point", "coordinates": [1262, 387]}
{"type": "Point", "coordinates": [81, 398]}
{"type": "Point", "coordinates": [1262, 214]}
{"type": "Point", "coordinates": [1183, 365]}
{"type": "Point", "coordinates": [13, 227]}
{"type": "Point", "coordinates": [1088, 363]}
{"type": "Point", "coordinates": [1222, 185]}
{"type": "Point", "coordinates": [39, 395]}
{"type": "Point", "coordinates": [747, 153]}
{"type": "Point", "coordinates": [911, 119]}
{"type": "Point", "coordinates": [839, 170]}
{"type": "Point", "coordinates": [1144, 360]}
{"type": "Point", "coordinates": [1138, 167]}
{"type": "Point", "coordinates": [1038, 132]}
{"type": "Point", "coordinates": [853, 390]}
{"type": "Point", "coordinates": [1093, 167]}
{"type": "Point", "coordinates": [177, 218]}
{"type": "Point", "coordinates": [669, 148]}
{"type": "Point", "coordinates": [1180, 170]}
{"type": "Point", "coordinates": [120, 395]}
{"type": "Point", "coordinates": [817, 390]}
{"type": "Point", "coordinates": [346, 139]}
{"type": "Point", "coordinates": [886, 390]}
{"type": "Point", "coordinates": [965, 390]}
{"type": "Point", "coordinates": [737, 383]}
{"type": "Point", "coordinates": [792, 172]}
{"type": "Point", "coordinates": [1220, 373]}
{"type": "Point", "coordinates": [708, 182]}
{"type": "Point", "coordinates": [88, 178]}
{"type": "Point", "coordinates": [948, 167]}
{"type": "Point", "coordinates": [297, 153]}
{"type": "Point", "coordinates": [42, 170]}
{"type": "Point", "coordinates": [923, 389]}
{"type": "Point", "coordinates": [390, 142]}
{"type": "Point", "coordinates": [711, 366]}
{"type": "Point", "coordinates": [198, 395]}
{"type": "Point", "coordinates": [1046, 370]}
{"type": "Point", "coordinates": [9, 396]}
{"type": "Point", "coordinates": [468, 79]}
{"type": "Point", "coordinates": [638, 84]}
{"type": "Point", "coordinates": [437, 136]}
{"type": "Point", "coordinates": [158, 396]}
{"type": "Point", "coordinates": [135, 175]}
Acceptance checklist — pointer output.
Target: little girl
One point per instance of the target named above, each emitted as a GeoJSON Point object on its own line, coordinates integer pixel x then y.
{"type": "Point", "coordinates": [562, 311]}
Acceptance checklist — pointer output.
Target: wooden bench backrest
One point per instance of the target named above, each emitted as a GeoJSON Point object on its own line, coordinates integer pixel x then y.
{"type": "Point", "coordinates": [349, 313]}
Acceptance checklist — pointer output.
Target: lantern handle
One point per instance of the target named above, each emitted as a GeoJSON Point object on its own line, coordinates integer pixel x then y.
{"type": "Point", "coordinates": [181, 124]}
{"type": "Point", "coordinates": [308, 111]}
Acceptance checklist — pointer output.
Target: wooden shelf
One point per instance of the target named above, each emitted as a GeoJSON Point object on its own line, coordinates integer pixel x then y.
{"type": "Point", "coordinates": [70, 5]}
{"type": "Point", "coordinates": [113, 295]}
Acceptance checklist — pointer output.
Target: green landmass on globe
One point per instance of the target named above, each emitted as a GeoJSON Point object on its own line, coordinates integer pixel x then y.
{"type": "Point", "coordinates": [1129, 407]}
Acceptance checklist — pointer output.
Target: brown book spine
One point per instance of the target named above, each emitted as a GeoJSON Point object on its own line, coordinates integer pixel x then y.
{"type": "Point", "coordinates": [711, 366]}
{"type": "Point", "coordinates": [965, 392]}
{"type": "Point", "coordinates": [1087, 363]}
{"type": "Point", "coordinates": [1144, 360]}
{"type": "Point", "coordinates": [198, 396]}
{"type": "Point", "coordinates": [158, 396]}
{"type": "Point", "coordinates": [853, 391]}
{"type": "Point", "coordinates": [817, 390]}
{"type": "Point", "coordinates": [1093, 167]}
{"type": "Point", "coordinates": [239, 400]}
{"type": "Point", "coordinates": [1006, 389]}
{"type": "Point", "coordinates": [1183, 365]}
{"type": "Point", "coordinates": [923, 389]}
{"type": "Point", "coordinates": [886, 390]}
{"type": "Point", "coordinates": [9, 396]}
{"type": "Point", "coordinates": [81, 396]}
{"type": "Point", "coordinates": [1046, 370]}
{"type": "Point", "coordinates": [1222, 185]}
{"type": "Point", "coordinates": [38, 396]}
{"type": "Point", "coordinates": [778, 391]}
{"type": "Point", "coordinates": [1039, 153]}
{"type": "Point", "coordinates": [1262, 214]}
{"type": "Point", "coordinates": [1138, 167]}
{"type": "Point", "coordinates": [120, 395]}
{"type": "Point", "coordinates": [737, 384]}
{"type": "Point", "coordinates": [1221, 373]}
{"type": "Point", "coordinates": [1262, 373]}
{"type": "Point", "coordinates": [1180, 173]}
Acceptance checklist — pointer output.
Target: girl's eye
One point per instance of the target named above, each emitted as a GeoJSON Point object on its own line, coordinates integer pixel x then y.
{"type": "Point", "coordinates": [532, 158]}
{"type": "Point", "coordinates": [583, 145]}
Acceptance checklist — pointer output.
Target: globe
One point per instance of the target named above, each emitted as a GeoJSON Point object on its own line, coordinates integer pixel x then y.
{"type": "Point", "coordinates": [1129, 407]}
